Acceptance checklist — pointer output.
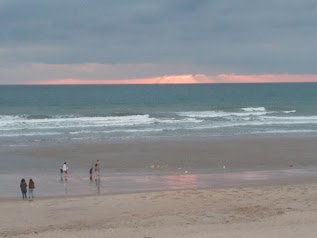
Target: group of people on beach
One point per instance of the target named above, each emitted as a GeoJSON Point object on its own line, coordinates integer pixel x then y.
{"type": "Point", "coordinates": [24, 189]}
{"type": "Point", "coordinates": [94, 173]}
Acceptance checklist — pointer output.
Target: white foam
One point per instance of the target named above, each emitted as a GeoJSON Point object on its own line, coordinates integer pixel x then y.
{"type": "Point", "coordinates": [213, 114]}
{"type": "Point", "coordinates": [253, 109]}
{"type": "Point", "coordinates": [283, 131]}
{"type": "Point", "coordinates": [53, 123]}
{"type": "Point", "coordinates": [78, 127]}
{"type": "Point", "coordinates": [134, 130]}
{"type": "Point", "coordinates": [291, 111]}
{"type": "Point", "coordinates": [30, 134]}
{"type": "Point", "coordinates": [88, 122]}
{"type": "Point", "coordinates": [293, 118]}
{"type": "Point", "coordinates": [178, 121]}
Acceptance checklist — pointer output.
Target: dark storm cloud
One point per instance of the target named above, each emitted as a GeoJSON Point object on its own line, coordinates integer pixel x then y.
{"type": "Point", "coordinates": [244, 36]}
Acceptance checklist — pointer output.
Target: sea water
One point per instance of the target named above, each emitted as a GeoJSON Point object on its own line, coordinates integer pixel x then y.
{"type": "Point", "coordinates": [36, 116]}
{"type": "Point", "coordinates": [102, 113]}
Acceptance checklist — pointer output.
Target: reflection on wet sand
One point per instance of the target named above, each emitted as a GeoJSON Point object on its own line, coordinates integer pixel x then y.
{"type": "Point", "coordinates": [64, 182]}
{"type": "Point", "coordinates": [113, 183]}
{"type": "Point", "coordinates": [97, 181]}
{"type": "Point", "coordinates": [179, 181]}
{"type": "Point", "coordinates": [246, 176]}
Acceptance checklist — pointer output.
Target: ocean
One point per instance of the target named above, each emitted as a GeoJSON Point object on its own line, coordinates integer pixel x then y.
{"type": "Point", "coordinates": [33, 115]}
{"type": "Point", "coordinates": [43, 126]}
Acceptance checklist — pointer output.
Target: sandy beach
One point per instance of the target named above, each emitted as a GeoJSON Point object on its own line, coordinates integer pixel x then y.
{"type": "Point", "coordinates": [281, 210]}
{"type": "Point", "coordinates": [274, 207]}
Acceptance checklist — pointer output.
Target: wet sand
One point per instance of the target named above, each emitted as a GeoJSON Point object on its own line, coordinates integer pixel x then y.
{"type": "Point", "coordinates": [209, 154]}
{"type": "Point", "coordinates": [159, 165]}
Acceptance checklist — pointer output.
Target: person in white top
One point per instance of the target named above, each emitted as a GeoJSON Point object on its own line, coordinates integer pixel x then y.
{"type": "Point", "coordinates": [65, 169]}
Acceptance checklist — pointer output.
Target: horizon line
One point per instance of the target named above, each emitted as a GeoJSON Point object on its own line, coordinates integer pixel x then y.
{"type": "Point", "coordinates": [83, 84]}
{"type": "Point", "coordinates": [179, 79]}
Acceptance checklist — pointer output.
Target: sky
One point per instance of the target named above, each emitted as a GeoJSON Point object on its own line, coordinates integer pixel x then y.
{"type": "Point", "coordinates": [157, 41]}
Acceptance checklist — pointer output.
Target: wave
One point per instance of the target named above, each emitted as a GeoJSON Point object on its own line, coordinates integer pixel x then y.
{"type": "Point", "coordinates": [293, 118]}
{"type": "Point", "coordinates": [253, 109]}
{"type": "Point", "coordinates": [82, 132]}
{"type": "Point", "coordinates": [69, 116]}
{"type": "Point", "coordinates": [116, 130]}
{"type": "Point", "coordinates": [246, 112]}
{"type": "Point", "coordinates": [8, 123]}
{"type": "Point", "coordinates": [291, 111]}
{"type": "Point", "coordinates": [283, 131]}
{"type": "Point", "coordinates": [22, 123]}
{"type": "Point", "coordinates": [31, 134]}
{"type": "Point", "coordinates": [213, 114]}
{"type": "Point", "coordinates": [246, 120]}
{"type": "Point", "coordinates": [142, 117]}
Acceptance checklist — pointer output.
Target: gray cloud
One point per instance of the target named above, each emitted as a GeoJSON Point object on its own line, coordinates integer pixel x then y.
{"type": "Point", "coordinates": [243, 36]}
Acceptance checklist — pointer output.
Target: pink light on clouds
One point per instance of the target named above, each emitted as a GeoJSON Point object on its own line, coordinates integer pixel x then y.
{"type": "Point", "coordinates": [194, 79]}
{"type": "Point", "coordinates": [95, 73]}
{"type": "Point", "coordinates": [170, 79]}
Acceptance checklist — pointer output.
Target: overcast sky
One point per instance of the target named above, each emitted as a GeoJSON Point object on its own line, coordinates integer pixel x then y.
{"type": "Point", "coordinates": [48, 41]}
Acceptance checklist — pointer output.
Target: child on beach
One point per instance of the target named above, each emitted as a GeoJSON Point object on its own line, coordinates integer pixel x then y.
{"type": "Point", "coordinates": [23, 187]}
{"type": "Point", "coordinates": [31, 188]}
{"type": "Point", "coordinates": [61, 171]}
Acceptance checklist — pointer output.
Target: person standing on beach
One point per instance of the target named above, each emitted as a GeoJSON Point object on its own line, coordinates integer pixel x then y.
{"type": "Point", "coordinates": [90, 173]}
{"type": "Point", "coordinates": [96, 171]}
{"type": "Point", "coordinates": [23, 187]}
{"type": "Point", "coordinates": [65, 169]}
{"type": "Point", "coordinates": [31, 188]}
{"type": "Point", "coordinates": [98, 166]}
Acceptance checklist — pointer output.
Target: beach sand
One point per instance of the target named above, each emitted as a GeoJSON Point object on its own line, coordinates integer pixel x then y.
{"type": "Point", "coordinates": [285, 208]}
{"type": "Point", "coordinates": [277, 210]}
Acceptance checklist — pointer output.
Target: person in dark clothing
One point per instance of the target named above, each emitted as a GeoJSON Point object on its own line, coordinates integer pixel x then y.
{"type": "Point", "coordinates": [90, 173]}
{"type": "Point", "coordinates": [23, 187]}
{"type": "Point", "coordinates": [61, 171]}
{"type": "Point", "coordinates": [31, 188]}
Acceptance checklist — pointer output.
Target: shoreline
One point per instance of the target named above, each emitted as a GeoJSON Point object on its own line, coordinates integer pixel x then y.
{"type": "Point", "coordinates": [186, 138]}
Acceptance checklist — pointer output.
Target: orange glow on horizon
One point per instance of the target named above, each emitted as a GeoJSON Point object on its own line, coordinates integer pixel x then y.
{"type": "Point", "coordinates": [171, 79]}
{"type": "Point", "coordinates": [192, 79]}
